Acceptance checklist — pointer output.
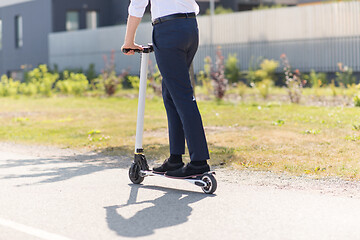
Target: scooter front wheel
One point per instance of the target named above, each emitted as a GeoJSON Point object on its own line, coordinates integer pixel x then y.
{"type": "Point", "coordinates": [134, 174]}
{"type": "Point", "coordinates": [211, 183]}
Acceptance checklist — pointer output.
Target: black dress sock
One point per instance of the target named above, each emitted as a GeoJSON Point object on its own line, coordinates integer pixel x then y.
{"type": "Point", "coordinates": [199, 163]}
{"type": "Point", "coordinates": [174, 158]}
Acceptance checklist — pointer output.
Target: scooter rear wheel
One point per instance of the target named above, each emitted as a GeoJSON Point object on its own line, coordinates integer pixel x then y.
{"type": "Point", "coordinates": [134, 174]}
{"type": "Point", "coordinates": [211, 183]}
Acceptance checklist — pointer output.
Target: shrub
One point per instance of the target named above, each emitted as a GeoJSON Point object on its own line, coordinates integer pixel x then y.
{"type": "Point", "coordinates": [73, 84]}
{"type": "Point", "coordinates": [254, 66]}
{"type": "Point", "coordinates": [266, 71]}
{"type": "Point", "coordinates": [356, 100]}
{"type": "Point", "coordinates": [42, 79]}
{"type": "Point", "coordinates": [8, 87]}
{"type": "Point", "coordinates": [205, 76]}
{"type": "Point", "coordinates": [91, 73]}
{"type": "Point", "coordinates": [232, 71]}
{"type": "Point", "coordinates": [107, 80]}
{"type": "Point", "coordinates": [134, 81]}
{"type": "Point", "coordinates": [28, 89]}
{"type": "Point", "coordinates": [241, 89]}
{"type": "Point", "coordinates": [264, 87]}
{"type": "Point", "coordinates": [345, 76]}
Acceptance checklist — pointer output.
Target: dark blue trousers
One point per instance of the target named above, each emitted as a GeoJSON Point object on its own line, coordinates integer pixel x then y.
{"type": "Point", "coordinates": [175, 44]}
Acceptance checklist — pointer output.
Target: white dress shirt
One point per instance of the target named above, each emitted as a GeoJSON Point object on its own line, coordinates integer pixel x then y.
{"type": "Point", "coordinates": [160, 8]}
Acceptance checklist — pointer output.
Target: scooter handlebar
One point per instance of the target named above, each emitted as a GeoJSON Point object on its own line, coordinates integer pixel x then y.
{"type": "Point", "coordinates": [146, 49]}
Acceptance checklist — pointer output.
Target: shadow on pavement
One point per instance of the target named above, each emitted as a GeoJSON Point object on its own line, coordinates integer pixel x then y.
{"type": "Point", "coordinates": [55, 169]}
{"type": "Point", "coordinates": [170, 209]}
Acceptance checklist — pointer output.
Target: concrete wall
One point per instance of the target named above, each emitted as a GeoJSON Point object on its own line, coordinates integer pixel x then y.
{"type": "Point", "coordinates": [37, 24]}
{"type": "Point", "coordinates": [314, 37]}
{"type": "Point", "coordinates": [81, 48]}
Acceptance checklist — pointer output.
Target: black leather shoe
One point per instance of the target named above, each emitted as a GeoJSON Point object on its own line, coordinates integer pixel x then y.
{"type": "Point", "coordinates": [188, 171]}
{"type": "Point", "coordinates": [167, 166]}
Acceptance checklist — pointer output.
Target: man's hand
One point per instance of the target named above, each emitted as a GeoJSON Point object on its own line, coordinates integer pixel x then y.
{"type": "Point", "coordinates": [130, 46]}
{"type": "Point", "coordinates": [132, 25]}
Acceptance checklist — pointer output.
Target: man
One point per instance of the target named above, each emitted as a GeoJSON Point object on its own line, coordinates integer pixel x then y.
{"type": "Point", "coordinates": [175, 41]}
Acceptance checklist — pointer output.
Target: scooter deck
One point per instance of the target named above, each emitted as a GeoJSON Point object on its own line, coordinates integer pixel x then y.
{"type": "Point", "coordinates": [152, 173]}
{"type": "Point", "coordinates": [197, 179]}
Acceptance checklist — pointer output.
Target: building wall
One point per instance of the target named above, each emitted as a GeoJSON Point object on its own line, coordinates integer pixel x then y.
{"type": "Point", "coordinates": [60, 7]}
{"type": "Point", "coordinates": [36, 27]}
{"type": "Point", "coordinates": [119, 10]}
{"type": "Point", "coordinates": [313, 37]}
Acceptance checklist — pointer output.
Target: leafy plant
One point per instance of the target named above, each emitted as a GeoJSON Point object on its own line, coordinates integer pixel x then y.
{"type": "Point", "coordinates": [345, 76]}
{"type": "Point", "coordinates": [42, 79]}
{"type": "Point", "coordinates": [134, 81]}
{"type": "Point", "coordinates": [91, 73]}
{"type": "Point", "coordinates": [241, 89]}
{"type": "Point", "coordinates": [263, 87]}
{"type": "Point", "coordinates": [279, 122]}
{"type": "Point", "coordinates": [28, 89]}
{"type": "Point", "coordinates": [108, 80]}
{"type": "Point", "coordinates": [254, 66]}
{"type": "Point", "coordinates": [356, 100]}
{"type": "Point", "coordinates": [232, 72]}
{"type": "Point", "coordinates": [317, 80]}
{"type": "Point", "coordinates": [356, 127]}
{"type": "Point", "coordinates": [8, 87]}
{"type": "Point", "coordinates": [73, 84]}
{"type": "Point", "coordinates": [205, 76]}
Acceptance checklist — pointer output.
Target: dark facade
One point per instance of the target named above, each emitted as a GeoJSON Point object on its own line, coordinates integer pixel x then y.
{"type": "Point", "coordinates": [37, 19]}
{"type": "Point", "coordinates": [110, 12]}
{"type": "Point", "coordinates": [31, 46]}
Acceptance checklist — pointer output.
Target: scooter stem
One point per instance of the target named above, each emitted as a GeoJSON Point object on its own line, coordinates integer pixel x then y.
{"type": "Point", "coordinates": [141, 103]}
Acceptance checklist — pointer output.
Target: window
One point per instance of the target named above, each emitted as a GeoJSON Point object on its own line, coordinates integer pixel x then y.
{"type": "Point", "coordinates": [0, 34]}
{"type": "Point", "coordinates": [72, 21]}
{"type": "Point", "coordinates": [92, 19]}
{"type": "Point", "coordinates": [18, 32]}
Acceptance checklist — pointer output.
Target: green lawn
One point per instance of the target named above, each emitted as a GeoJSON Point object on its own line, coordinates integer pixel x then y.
{"type": "Point", "coordinates": [297, 139]}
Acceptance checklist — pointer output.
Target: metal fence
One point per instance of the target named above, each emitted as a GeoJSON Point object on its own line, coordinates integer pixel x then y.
{"type": "Point", "coordinates": [313, 37]}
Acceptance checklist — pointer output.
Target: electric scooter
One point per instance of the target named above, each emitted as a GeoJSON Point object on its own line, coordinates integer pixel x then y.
{"type": "Point", "coordinates": [139, 168]}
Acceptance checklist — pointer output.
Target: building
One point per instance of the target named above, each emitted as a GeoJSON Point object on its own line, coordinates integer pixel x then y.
{"type": "Point", "coordinates": [25, 26]}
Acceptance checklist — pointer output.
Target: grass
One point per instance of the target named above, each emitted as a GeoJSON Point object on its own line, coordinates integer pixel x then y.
{"type": "Point", "coordinates": [321, 141]}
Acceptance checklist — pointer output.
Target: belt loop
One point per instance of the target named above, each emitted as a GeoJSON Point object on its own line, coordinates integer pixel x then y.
{"type": "Point", "coordinates": [187, 15]}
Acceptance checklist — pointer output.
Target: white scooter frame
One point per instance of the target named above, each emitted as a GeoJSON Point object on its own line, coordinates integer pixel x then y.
{"type": "Point", "coordinates": [139, 168]}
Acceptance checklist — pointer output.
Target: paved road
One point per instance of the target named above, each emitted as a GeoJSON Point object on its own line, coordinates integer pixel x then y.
{"type": "Point", "coordinates": [88, 196]}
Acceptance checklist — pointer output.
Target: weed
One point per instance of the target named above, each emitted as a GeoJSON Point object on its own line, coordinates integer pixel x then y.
{"type": "Point", "coordinates": [279, 122]}
{"type": "Point", "coordinates": [356, 127]}
{"type": "Point", "coordinates": [293, 81]}
{"type": "Point", "coordinates": [356, 100]}
{"type": "Point", "coordinates": [311, 131]}
{"type": "Point", "coordinates": [219, 81]}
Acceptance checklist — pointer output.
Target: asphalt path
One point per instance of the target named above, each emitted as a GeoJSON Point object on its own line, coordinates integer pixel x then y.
{"type": "Point", "coordinates": [65, 195]}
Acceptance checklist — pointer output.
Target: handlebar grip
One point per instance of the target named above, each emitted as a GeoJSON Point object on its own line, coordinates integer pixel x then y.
{"type": "Point", "coordinates": [146, 49]}
{"type": "Point", "coordinates": [126, 50]}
